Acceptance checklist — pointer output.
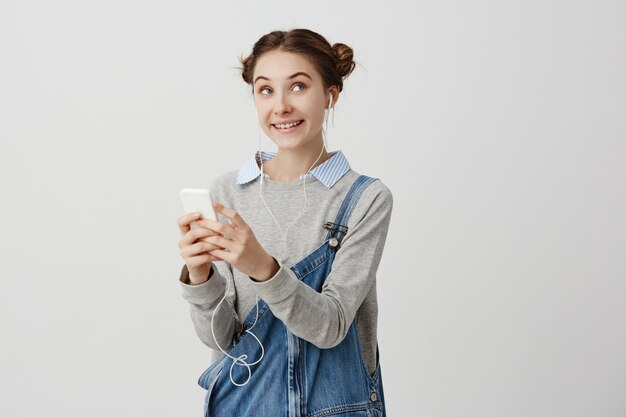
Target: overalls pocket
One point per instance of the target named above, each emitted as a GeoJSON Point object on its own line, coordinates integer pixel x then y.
{"type": "Point", "coordinates": [207, 381]}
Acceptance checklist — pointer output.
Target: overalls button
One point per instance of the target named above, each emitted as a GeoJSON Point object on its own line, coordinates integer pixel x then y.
{"type": "Point", "coordinates": [333, 242]}
{"type": "Point", "coordinates": [373, 396]}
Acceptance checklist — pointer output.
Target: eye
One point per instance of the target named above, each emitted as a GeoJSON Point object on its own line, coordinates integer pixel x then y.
{"type": "Point", "coordinates": [301, 85]}
{"type": "Point", "coordinates": [264, 89]}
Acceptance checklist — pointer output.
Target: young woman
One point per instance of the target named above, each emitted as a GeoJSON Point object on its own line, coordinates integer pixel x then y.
{"type": "Point", "coordinates": [284, 284]}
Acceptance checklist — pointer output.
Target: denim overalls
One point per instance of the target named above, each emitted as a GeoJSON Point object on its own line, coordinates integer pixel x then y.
{"type": "Point", "coordinates": [296, 378]}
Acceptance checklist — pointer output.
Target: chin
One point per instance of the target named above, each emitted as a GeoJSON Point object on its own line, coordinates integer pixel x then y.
{"type": "Point", "coordinates": [289, 142]}
{"type": "Point", "coordinates": [284, 144]}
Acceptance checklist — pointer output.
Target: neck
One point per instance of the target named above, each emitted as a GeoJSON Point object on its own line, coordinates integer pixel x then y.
{"type": "Point", "coordinates": [289, 164]}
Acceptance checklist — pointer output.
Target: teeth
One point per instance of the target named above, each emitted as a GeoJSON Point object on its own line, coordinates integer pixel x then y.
{"type": "Point", "coordinates": [288, 125]}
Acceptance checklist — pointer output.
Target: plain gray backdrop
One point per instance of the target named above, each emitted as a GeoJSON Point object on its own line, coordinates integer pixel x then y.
{"type": "Point", "coordinates": [498, 126]}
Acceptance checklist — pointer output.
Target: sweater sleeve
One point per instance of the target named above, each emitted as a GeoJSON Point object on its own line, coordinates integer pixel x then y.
{"type": "Point", "coordinates": [203, 301]}
{"type": "Point", "coordinates": [325, 318]}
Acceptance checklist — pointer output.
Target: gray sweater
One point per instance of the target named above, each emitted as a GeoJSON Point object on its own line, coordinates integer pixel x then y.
{"type": "Point", "coordinates": [349, 292]}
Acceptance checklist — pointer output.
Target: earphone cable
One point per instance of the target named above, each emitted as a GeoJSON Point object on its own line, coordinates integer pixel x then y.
{"type": "Point", "coordinates": [241, 359]}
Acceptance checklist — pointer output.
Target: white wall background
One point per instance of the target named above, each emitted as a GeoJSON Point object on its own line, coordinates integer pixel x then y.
{"type": "Point", "coordinates": [498, 125]}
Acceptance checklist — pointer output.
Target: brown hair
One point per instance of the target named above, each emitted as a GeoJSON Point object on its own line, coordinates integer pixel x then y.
{"type": "Point", "coordinates": [334, 63]}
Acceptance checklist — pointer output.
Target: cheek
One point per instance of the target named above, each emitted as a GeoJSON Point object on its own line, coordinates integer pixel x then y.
{"type": "Point", "coordinates": [311, 108]}
{"type": "Point", "coordinates": [317, 113]}
{"type": "Point", "coordinates": [263, 113]}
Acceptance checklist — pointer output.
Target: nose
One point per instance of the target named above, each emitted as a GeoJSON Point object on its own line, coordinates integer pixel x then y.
{"type": "Point", "coordinates": [282, 105]}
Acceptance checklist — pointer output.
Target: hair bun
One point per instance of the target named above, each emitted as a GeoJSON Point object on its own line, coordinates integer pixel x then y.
{"type": "Point", "coordinates": [246, 71]}
{"type": "Point", "coordinates": [333, 62]}
{"type": "Point", "coordinates": [345, 62]}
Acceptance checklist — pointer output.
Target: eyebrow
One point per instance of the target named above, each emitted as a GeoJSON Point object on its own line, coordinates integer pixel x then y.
{"type": "Point", "coordinates": [260, 77]}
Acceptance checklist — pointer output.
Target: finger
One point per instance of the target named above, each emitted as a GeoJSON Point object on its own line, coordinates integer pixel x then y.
{"type": "Point", "coordinates": [184, 220]}
{"type": "Point", "coordinates": [219, 227]}
{"type": "Point", "coordinates": [196, 234]}
{"type": "Point", "coordinates": [204, 258]}
{"type": "Point", "coordinates": [192, 236]}
{"type": "Point", "coordinates": [197, 249]}
{"type": "Point", "coordinates": [234, 217]}
{"type": "Point", "coordinates": [223, 255]}
{"type": "Point", "coordinates": [221, 242]}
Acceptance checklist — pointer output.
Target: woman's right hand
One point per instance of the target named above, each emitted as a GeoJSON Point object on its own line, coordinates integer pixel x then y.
{"type": "Point", "coordinates": [194, 250]}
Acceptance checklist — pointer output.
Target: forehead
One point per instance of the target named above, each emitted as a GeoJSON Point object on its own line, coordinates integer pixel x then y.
{"type": "Point", "coordinates": [280, 64]}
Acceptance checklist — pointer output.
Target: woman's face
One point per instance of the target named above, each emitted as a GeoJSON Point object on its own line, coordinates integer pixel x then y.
{"type": "Point", "coordinates": [287, 90]}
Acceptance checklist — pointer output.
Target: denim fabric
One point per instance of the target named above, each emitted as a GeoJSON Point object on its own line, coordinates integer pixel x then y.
{"type": "Point", "coordinates": [296, 378]}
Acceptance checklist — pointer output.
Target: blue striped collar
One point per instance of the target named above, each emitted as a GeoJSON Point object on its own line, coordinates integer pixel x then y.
{"type": "Point", "coordinates": [328, 172]}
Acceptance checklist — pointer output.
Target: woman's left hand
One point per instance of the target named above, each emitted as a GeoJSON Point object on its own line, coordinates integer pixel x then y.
{"type": "Point", "coordinates": [241, 248]}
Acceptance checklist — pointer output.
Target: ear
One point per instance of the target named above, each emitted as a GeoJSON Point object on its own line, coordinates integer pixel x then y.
{"type": "Point", "coordinates": [334, 91]}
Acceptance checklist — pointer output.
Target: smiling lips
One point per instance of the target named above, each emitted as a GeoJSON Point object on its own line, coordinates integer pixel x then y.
{"type": "Point", "coordinates": [289, 125]}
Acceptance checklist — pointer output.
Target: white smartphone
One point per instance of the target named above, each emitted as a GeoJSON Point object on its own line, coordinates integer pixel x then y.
{"type": "Point", "coordinates": [197, 200]}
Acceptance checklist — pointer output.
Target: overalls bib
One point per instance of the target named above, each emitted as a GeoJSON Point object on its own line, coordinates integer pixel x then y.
{"type": "Point", "coordinates": [296, 378]}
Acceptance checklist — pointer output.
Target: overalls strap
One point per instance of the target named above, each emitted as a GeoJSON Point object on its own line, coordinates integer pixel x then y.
{"type": "Point", "coordinates": [339, 228]}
